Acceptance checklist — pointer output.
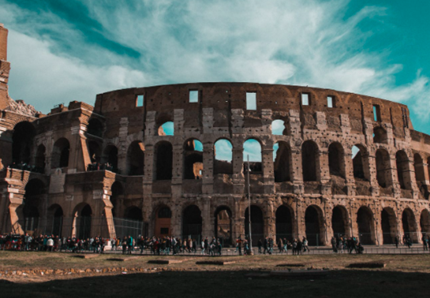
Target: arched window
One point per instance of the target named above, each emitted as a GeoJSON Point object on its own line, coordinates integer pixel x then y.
{"type": "Point", "coordinates": [110, 158]}
{"type": "Point", "coordinates": [60, 153]}
{"type": "Point", "coordinates": [22, 142]}
{"type": "Point", "coordinates": [383, 170]}
{"type": "Point", "coordinates": [310, 161]}
{"type": "Point", "coordinates": [193, 159]}
{"type": "Point", "coordinates": [166, 129]}
{"type": "Point", "coordinates": [380, 135]}
{"type": "Point", "coordinates": [278, 127]}
{"type": "Point", "coordinates": [252, 149]}
{"type": "Point", "coordinates": [336, 160]}
{"type": "Point", "coordinates": [402, 164]}
{"type": "Point", "coordinates": [135, 158]}
{"type": "Point", "coordinates": [95, 128]}
{"type": "Point", "coordinates": [282, 161]}
{"type": "Point", "coordinates": [163, 161]}
{"type": "Point", "coordinates": [223, 155]}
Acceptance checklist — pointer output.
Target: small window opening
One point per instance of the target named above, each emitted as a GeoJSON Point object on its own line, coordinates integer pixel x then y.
{"type": "Point", "coordinates": [330, 102]}
{"type": "Point", "coordinates": [376, 113]}
{"type": "Point", "coordinates": [251, 100]}
{"type": "Point", "coordinates": [305, 99]}
{"type": "Point", "coordinates": [139, 101]}
{"type": "Point", "coordinates": [194, 96]}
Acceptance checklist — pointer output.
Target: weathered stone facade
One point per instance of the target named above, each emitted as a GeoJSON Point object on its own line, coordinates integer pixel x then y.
{"type": "Point", "coordinates": [92, 165]}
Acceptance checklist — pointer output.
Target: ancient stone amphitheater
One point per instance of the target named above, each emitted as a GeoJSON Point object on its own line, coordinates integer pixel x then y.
{"type": "Point", "coordinates": [143, 161]}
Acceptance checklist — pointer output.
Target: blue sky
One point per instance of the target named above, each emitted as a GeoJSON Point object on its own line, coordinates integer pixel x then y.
{"type": "Point", "coordinates": [71, 50]}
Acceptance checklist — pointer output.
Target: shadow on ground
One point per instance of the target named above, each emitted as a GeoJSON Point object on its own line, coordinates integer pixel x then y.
{"type": "Point", "coordinates": [341, 283]}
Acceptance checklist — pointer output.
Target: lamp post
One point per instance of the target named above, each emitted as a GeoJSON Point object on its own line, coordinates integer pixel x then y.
{"type": "Point", "coordinates": [249, 204]}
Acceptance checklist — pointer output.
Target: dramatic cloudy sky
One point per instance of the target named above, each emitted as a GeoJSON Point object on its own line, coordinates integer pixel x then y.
{"type": "Point", "coordinates": [72, 50]}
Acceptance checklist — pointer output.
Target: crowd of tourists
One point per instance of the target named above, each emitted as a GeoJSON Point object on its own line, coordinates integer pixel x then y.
{"type": "Point", "coordinates": [174, 245]}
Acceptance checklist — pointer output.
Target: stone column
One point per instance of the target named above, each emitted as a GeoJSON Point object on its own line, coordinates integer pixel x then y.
{"type": "Point", "coordinates": [208, 163]}
{"type": "Point", "coordinates": [268, 171]}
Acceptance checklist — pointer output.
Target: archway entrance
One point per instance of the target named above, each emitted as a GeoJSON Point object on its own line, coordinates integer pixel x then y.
{"type": "Point", "coordinates": [388, 225]}
{"type": "Point", "coordinates": [163, 218]}
{"type": "Point", "coordinates": [56, 219]}
{"type": "Point", "coordinates": [192, 223]}
{"type": "Point", "coordinates": [409, 225]}
{"type": "Point", "coordinates": [425, 223]}
{"type": "Point", "coordinates": [223, 225]}
{"type": "Point", "coordinates": [314, 225]}
{"type": "Point", "coordinates": [257, 224]}
{"type": "Point", "coordinates": [284, 223]}
{"type": "Point", "coordinates": [82, 221]}
{"type": "Point", "coordinates": [365, 226]}
{"type": "Point", "coordinates": [339, 221]}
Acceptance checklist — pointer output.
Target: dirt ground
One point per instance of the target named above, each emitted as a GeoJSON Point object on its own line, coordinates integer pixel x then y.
{"type": "Point", "coordinates": [64, 275]}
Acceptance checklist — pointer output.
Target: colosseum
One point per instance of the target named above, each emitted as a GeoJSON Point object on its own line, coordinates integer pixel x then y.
{"type": "Point", "coordinates": [169, 160]}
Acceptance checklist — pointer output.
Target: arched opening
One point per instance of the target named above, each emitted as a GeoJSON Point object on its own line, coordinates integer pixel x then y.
{"type": "Point", "coordinates": [284, 223]}
{"type": "Point", "coordinates": [193, 159]}
{"type": "Point", "coordinates": [310, 161]}
{"type": "Point", "coordinates": [135, 158]}
{"type": "Point", "coordinates": [380, 135]}
{"type": "Point", "coordinates": [420, 176]}
{"type": "Point", "coordinates": [366, 226]}
{"type": "Point", "coordinates": [163, 161]}
{"type": "Point", "coordinates": [339, 221]}
{"type": "Point", "coordinates": [336, 160]}
{"type": "Point", "coordinates": [94, 151]}
{"type": "Point", "coordinates": [278, 127]}
{"type": "Point", "coordinates": [131, 224]}
{"type": "Point", "coordinates": [409, 225]}
{"type": "Point", "coordinates": [22, 142]}
{"type": "Point", "coordinates": [388, 225]}
{"type": "Point", "coordinates": [425, 223]}
{"type": "Point", "coordinates": [117, 191]}
{"type": "Point", "coordinates": [110, 158]}
{"type": "Point", "coordinates": [402, 164]}
{"type": "Point", "coordinates": [360, 162]}
{"type": "Point", "coordinates": [56, 218]}
{"type": "Point", "coordinates": [192, 223]}
{"type": "Point", "coordinates": [314, 225]}
{"type": "Point", "coordinates": [34, 190]}
{"type": "Point", "coordinates": [166, 129]}
{"type": "Point", "coordinates": [223, 155]}
{"type": "Point", "coordinates": [282, 161]}
{"type": "Point", "coordinates": [257, 224]}
{"type": "Point", "coordinates": [60, 154]}
{"type": "Point", "coordinates": [95, 128]}
{"type": "Point", "coordinates": [163, 216]}
{"type": "Point", "coordinates": [383, 170]}
{"type": "Point", "coordinates": [83, 213]}
{"type": "Point", "coordinates": [39, 162]}
{"type": "Point", "coordinates": [252, 148]}
{"type": "Point", "coordinates": [223, 224]}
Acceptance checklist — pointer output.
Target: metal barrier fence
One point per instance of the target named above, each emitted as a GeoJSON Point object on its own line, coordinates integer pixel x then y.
{"type": "Point", "coordinates": [82, 227]}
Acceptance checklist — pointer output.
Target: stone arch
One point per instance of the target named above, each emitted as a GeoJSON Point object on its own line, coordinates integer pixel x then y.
{"type": "Point", "coordinates": [110, 158]}
{"type": "Point", "coordinates": [278, 127]}
{"type": "Point", "coordinates": [253, 148]}
{"type": "Point", "coordinates": [60, 153]}
{"type": "Point", "coordinates": [94, 150]}
{"type": "Point", "coordinates": [383, 169]}
{"type": "Point", "coordinates": [360, 162]}
{"type": "Point", "coordinates": [339, 221]}
{"type": "Point", "coordinates": [163, 160]}
{"type": "Point", "coordinates": [55, 218]}
{"type": "Point", "coordinates": [284, 222]}
{"type": "Point", "coordinates": [39, 161]}
{"type": "Point", "coordinates": [136, 158]}
{"type": "Point", "coordinates": [402, 165]}
{"type": "Point", "coordinates": [409, 225]}
{"type": "Point", "coordinates": [192, 223]}
{"type": "Point", "coordinates": [388, 225]}
{"type": "Point", "coordinates": [314, 222]}
{"type": "Point", "coordinates": [425, 223]}
{"type": "Point", "coordinates": [336, 160]}
{"type": "Point", "coordinates": [420, 175]}
{"type": "Point", "coordinates": [117, 191]}
{"type": "Point", "coordinates": [193, 159]}
{"type": "Point", "coordinates": [223, 224]}
{"type": "Point", "coordinates": [380, 135]}
{"type": "Point", "coordinates": [22, 142]}
{"type": "Point", "coordinates": [166, 129]}
{"type": "Point", "coordinates": [82, 221]}
{"type": "Point", "coordinates": [32, 207]}
{"type": "Point", "coordinates": [163, 219]}
{"type": "Point", "coordinates": [366, 225]}
{"type": "Point", "coordinates": [282, 161]}
{"type": "Point", "coordinates": [257, 224]}
{"type": "Point", "coordinates": [310, 161]}
{"type": "Point", "coordinates": [223, 156]}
